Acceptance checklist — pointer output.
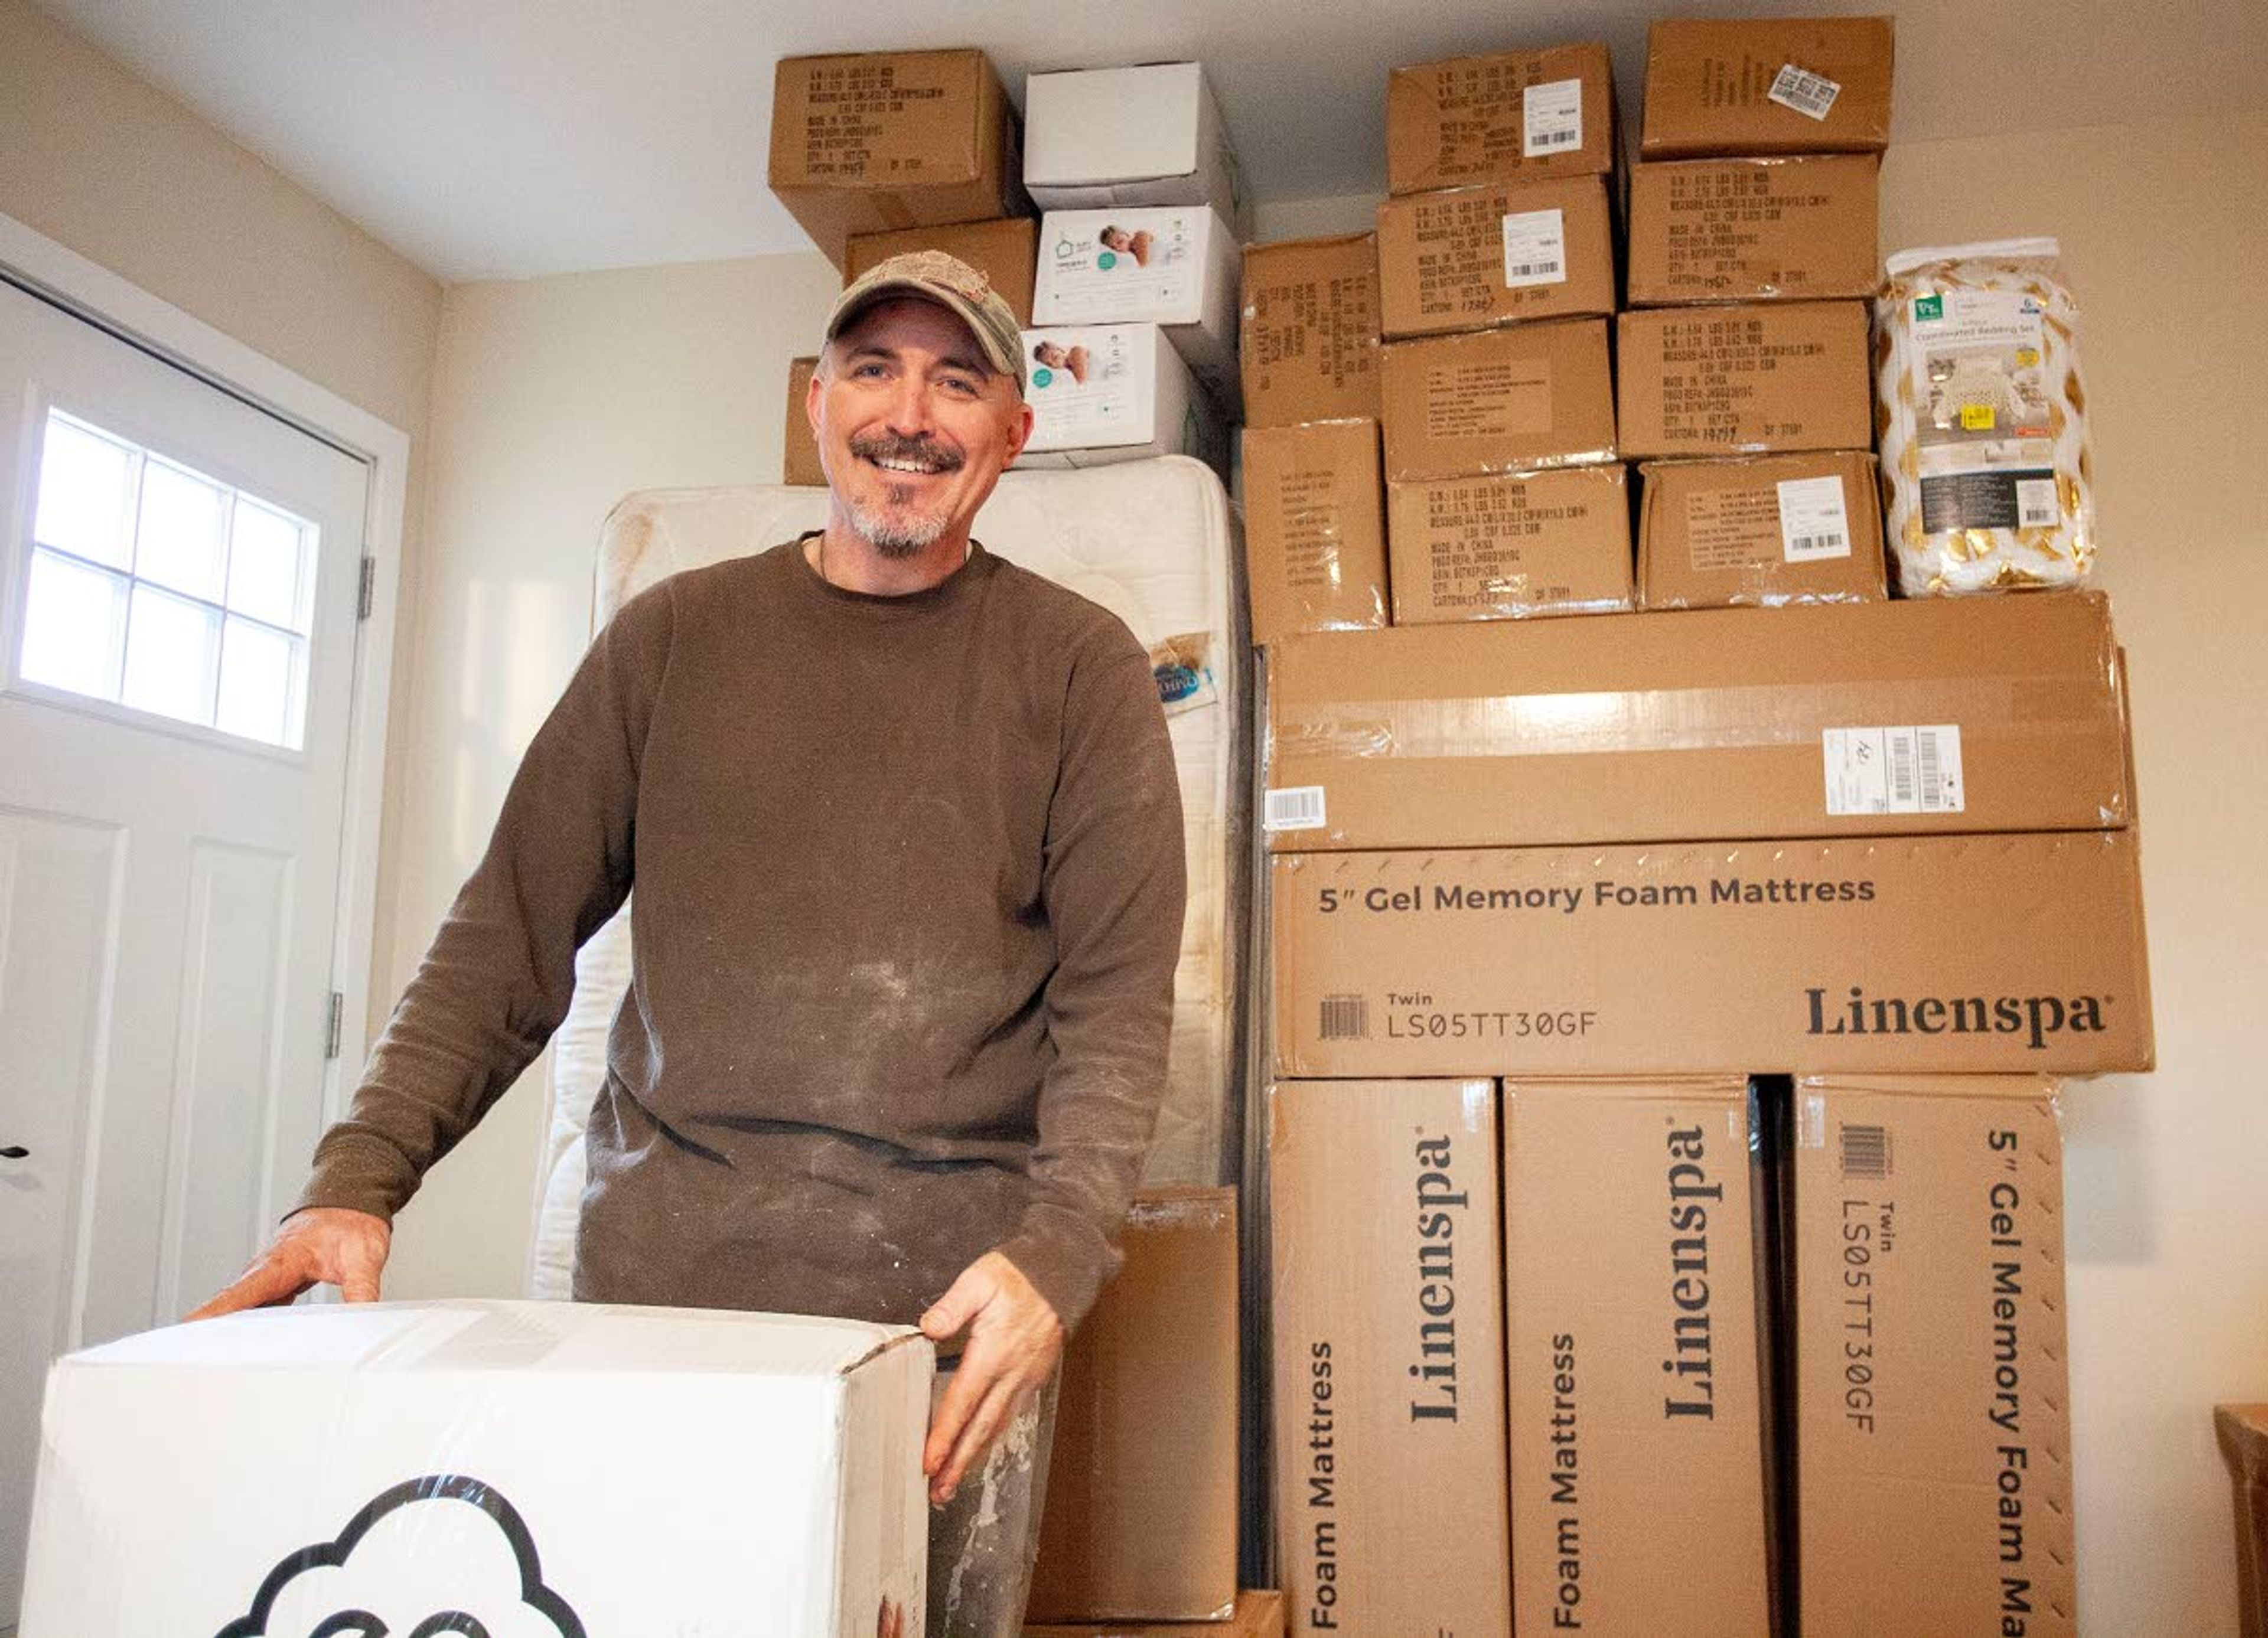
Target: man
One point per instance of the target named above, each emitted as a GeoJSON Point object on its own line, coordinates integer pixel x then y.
{"type": "Point", "coordinates": [906, 835]}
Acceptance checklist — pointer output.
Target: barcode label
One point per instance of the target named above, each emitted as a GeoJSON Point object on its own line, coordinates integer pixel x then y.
{"type": "Point", "coordinates": [1295, 807]}
{"type": "Point", "coordinates": [1551, 118]}
{"type": "Point", "coordinates": [1345, 1018]}
{"type": "Point", "coordinates": [1893, 770]}
{"type": "Point", "coordinates": [1804, 91]}
{"type": "Point", "coordinates": [1865, 1151]}
{"type": "Point", "coordinates": [2037, 507]}
{"type": "Point", "coordinates": [1814, 524]}
{"type": "Point", "coordinates": [1534, 248]}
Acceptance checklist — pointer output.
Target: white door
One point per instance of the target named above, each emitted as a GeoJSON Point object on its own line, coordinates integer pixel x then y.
{"type": "Point", "coordinates": [178, 614]}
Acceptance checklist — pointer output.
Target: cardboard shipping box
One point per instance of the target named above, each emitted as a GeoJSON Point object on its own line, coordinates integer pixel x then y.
{"type": "Point", "coordinates": [1107, 393]}
{"type": "Point", "coordinates": [1548, 112]}
{"type": "Point", "coordinates": [1170, 264]}
{"type": "Point", "coordinates": [1979, 714]}
{"type": "Point", "coordinates": [1767, 85]}
{"type": "Point", "coordinates": [367, 1468]}
{"type": "Point", "coordinates": [1258, 1615]}
{"type": "Point", "coordinates": [1499, 401]}
{"type": "Point", "coordinates": [1150, 135]}
{"type": "Point", "coordinates": [892, 139]}
{"type": "Point", "coordinates": [1389, 1357]}
{"type": "Point", "coordinates": [799, 448]}
{"type": "Point", "coordinates": [1309, 342]}
{"type": "Point", "coordinates": [1933, 1474]}
{"type": "Point", "coordinates": [1140, 1520]}
{"type": "Point", "coordinates": [1510, 546]}
{"type": "Point", "coordinates": [1639, 1502]}
{"type": "Point", "coordinates": [1315, 531]}
{"type": "Point", "coordinates": [1756, 378]}
{"type": "Point", "coordinates": [1797, 228]}
{"type": "Point", "coordinates": [1967, 955]}
{"type": "Point", "coordinates": [1761, 531]}
{"type": "Point", "coordinates": [1003, 250]}
{"type": "Point", "coordinates": [1471, 258]}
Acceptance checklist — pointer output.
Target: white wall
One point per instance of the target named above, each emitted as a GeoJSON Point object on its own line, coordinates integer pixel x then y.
{"type": "Point", "coordinates": [2166, 1202]}
{"type": "Point", "coordinates": [554, 396]}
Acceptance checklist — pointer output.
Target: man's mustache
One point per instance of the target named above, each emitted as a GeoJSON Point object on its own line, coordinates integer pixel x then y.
{"type": "Point", "coordinates": [921, 451]}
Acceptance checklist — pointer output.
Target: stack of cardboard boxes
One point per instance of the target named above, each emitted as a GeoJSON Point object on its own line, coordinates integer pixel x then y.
{"type": "Point", "coordinates": [1129, 320]}
{"type": "Point", "coordinates": [1744, 357]}
{"type": "Point", "coordinates": [1314, 513]}
{"type": "Point", "coordinates": [874, 153]}
{"type": "Point", "coordinates": [1664, 1168]}
{"type": "Point", "coordinates": [1134, 347]}
{"type": "Point", "coordinates": [1496, 288]}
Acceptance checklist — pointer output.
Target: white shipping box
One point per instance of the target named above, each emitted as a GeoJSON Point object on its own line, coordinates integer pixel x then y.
{"type": "Point", "coordinates": [1173, 265]}
{"type": "Point", "coordinates": [1105, 392]}
{"type": "Point", "coordinates": [522, 1470]}
{"type": "Point", "coordinates": [1145, 135]}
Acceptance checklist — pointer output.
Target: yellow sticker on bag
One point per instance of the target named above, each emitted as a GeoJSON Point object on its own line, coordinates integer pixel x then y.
{"type": "Point", "coordinates": [1977, 417]}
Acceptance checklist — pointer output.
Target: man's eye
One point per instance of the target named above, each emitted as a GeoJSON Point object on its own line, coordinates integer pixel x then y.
{"type": "Point", "coordinates": [960, 386]}
{"type": "Point", "coordinates": [867, 372]}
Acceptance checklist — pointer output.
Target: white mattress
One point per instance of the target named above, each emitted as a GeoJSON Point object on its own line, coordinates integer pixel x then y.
{"type": "Point", "coordinates": [1153, 541]}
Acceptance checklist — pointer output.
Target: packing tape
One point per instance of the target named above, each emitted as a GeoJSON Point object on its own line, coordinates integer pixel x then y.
{"type": "Point", "coordinates": [1664, 719]}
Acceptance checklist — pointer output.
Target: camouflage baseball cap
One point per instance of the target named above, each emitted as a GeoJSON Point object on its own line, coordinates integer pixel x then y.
{"type": "Point", "coordinates": [952, 285]}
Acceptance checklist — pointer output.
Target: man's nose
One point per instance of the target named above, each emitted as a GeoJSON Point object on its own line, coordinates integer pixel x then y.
{"type": "Point", "coordinates": [912, 410]}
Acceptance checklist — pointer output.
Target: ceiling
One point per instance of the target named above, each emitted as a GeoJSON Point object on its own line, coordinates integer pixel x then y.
{"type": "Point", "coordinates": [513, 138]}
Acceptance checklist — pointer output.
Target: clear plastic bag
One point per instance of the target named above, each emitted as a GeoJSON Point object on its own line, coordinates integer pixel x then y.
{"type": "Point", "coordinates": [1987, 483]}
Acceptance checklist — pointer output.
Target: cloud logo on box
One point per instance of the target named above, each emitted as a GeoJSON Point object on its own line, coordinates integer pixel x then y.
{"type": "Point", "coordinates": [444, 1556]}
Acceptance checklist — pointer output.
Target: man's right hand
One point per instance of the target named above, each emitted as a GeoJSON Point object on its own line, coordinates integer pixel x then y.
{"type": "Point", "coordinates": [322, 1246]}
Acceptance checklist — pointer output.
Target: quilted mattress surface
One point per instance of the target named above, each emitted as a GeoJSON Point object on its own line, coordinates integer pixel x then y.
{"type": "Point", "coordinates": [1152, 541]}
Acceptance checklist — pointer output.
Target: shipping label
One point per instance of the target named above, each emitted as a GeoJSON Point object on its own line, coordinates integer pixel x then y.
{"type": "Point", "coordinates": [1807, 93]}
{"type": "Point", "coordinates": [1893, 770]}
{"type": "Point", "coordinates": [1534, 248]}
{"type": "Point", "coordinates": [1814, 526]}
{"type": "Point", "coordinates": [1551, 118]}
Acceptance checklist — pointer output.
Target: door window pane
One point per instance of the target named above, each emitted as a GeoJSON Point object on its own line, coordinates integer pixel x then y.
{"type": "Point", "coordinates": [157, 587]}
{"type": "Point", "coordinates": [179, 541]}
{"type": "Point", "coordinates": [172, 656]}
{"type": "Point", "coordinates": [86, 493]}
{"type": "Point", "coordinates": [80, 634]}
{"type": "Point", "coordinates": [259, 678]}
{"type": "Point", "coordinates": [268, 562]}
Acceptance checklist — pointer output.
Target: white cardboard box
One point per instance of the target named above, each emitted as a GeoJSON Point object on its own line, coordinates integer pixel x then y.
{"type": "Point", "coordinates": [1145, 135]}
{"type": "Point", "coordinates": [548, 1470]}
{"type": "Point", "coordinates": [1173, 265]}
{"type": "Point", "coordinates": [1104, 392]}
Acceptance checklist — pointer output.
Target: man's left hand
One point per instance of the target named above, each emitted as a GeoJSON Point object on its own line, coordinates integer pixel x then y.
{"type": "Point", "coordinates": [1014, 1340]}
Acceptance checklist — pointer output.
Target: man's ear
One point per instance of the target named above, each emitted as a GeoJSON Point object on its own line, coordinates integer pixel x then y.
{"type": "Point", "coordinates": [1020, 433]}
{"type": "Point", "coordinates": [814, 393]}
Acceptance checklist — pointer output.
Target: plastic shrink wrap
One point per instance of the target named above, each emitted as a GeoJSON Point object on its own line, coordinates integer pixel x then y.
{"type": "Point", "coordinates": [1987, 483]}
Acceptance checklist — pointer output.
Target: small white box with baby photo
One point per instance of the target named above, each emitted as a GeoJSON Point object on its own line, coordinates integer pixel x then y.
{"type": "Point", "coordinates": [1105, 392]}
{"type": "Point", "coordinates": [1173, 265]}
{"type": "Point", "coordinates": [519, 1470]}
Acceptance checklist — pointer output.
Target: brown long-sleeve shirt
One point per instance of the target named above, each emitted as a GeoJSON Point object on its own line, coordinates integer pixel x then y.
{"type": "Point", "coordinates": [909, 881]}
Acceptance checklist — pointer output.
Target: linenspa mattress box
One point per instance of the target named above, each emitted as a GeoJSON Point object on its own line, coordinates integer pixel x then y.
{"type": "Point", "coordinates": [1155, 543]}
{"type": "Point", "coordinates": [515, 1470]}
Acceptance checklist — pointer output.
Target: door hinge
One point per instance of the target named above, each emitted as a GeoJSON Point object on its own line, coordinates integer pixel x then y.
{"type": "Point", "coordinates": [332, 1019]}
{"type": "Point", "coordinates": [369, 592]}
